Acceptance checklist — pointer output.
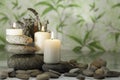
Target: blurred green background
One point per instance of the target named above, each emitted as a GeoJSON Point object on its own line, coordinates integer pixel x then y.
{"type": "Point", "coordinates": [81, 25]}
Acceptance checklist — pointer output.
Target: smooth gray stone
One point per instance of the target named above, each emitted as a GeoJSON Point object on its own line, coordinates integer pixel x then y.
{"type": "Point", "coordinates": [23, 76]}
{"type": "Point", "coordinates": [60, 67]}
{"type": "Point", "coordinates": [88, 73]}
{"type": "Point", "coordinates": [71, 74]}
{"type": "Point", "coordinates": [21, 72]}
{"type": "Point", "coordinates": [52, 75]}
{"type": "Point", "coordinates": [3, 74]}
{"type": "Point", "coordinates": [55, 72]}
{"type": "Point", "coordinates": [43, 76]}
{"type": "Point", "coordinates": [19, 39]}
{"type": "Point", "coordinates": [25, 61]}
{"type": "Point", "coordinates": [20, 49]}
{"type": "Point", "coordinates": [113, 74]}
{"type": "Point", "coordinates": [75, 70]}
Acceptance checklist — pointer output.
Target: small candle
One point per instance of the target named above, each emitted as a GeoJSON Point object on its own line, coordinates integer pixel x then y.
{"type": "Point", "coordinates": [52, 50]}
{"type": "Point", "coordinates": [40, 37]}
{"type": "Point", "coordinates": [14, 31]}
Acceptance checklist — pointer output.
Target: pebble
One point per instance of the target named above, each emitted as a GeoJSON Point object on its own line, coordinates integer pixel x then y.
{"type": "Point", "coordinates": [81, 77]}
{"type": "Point", "coordinates": [99, 63]}
{"type": "Point", "coordinates": [99, 71]}
{"type": "Point", "coordinates": [73, 62]}
{"type": "Point", "coordinates": [52, 75]}
{"type": "Point", "coordinates": [25, 61]}
{"type": "Point", "coordinates": [19, 39]}
{"type": "Point", "coordinates": [99, 76]}
{"type": "Point", "coordinates": [3, 74]}
{"type": "Point", "coordinates": [21, 72]}
{"type": "Point", "coordinates": [34, 73]}
{"type": "Point", "coordinates": [71, 74]}
{"type": "Point", "coordinates": [55, 72]}
{"type": "Point", "coordinates": [88, 73]}
{"type": "Point", "coordinates": [75, 70]}
{"type": "Point", "coordinates": [113, 74]}
{"type": "Point", "coordinates": [93, 68]}
{"type": "Point", "coordinates": [43, 76]}
{"type": "Point", "coordinates": [82, 66]}
{"type": "Point", "coordinates": [23, 76]}
{"type": "Point", "coordinates": [20, 49]}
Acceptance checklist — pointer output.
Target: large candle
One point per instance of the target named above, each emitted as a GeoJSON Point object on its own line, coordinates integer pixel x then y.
{"type": "Point", "coordinates": [40, 37]}
{"type": "Point", "coordinates": [14, 31]}
{"type": "Point", "coordinates": [52, 50]}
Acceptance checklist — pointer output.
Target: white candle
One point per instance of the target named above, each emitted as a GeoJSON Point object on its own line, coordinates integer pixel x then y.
{"type": "Point", "coordinates": [52, 50]}
{"type": "Point", "coordinates": [40, 37]}
{"type": "Point", "coordinates": [14, 31]}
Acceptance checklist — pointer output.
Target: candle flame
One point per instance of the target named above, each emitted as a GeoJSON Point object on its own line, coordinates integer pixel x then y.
{"type": "Point", "coordinates": [43, 28]}
{"type": "Point", "coordinates": [52, 35]}
{"type": "Point", "coordinates": [14, 25]}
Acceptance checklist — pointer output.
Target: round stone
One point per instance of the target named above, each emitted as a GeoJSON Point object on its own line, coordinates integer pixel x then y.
{"type": "Point", "coordinates": [99, 71]}
{"type": "Point", "coordinates": [3, 74]}
{"type": "Point", "coordinates": [88, 73]}
{"type": "Point", "coordinates": [71, 74]}
{"type": "Point", "coordinates": [20, 49]}
{"type": "Point", "coordinates": [25, 61]}
{"type": "Point", "coordinates": [23, 76]}
{"type": "Point", "coordinates": [19, 39]}
{"type": "Point", "coordinates": [82, 66]}
{"type": "Point", "coordinates": [99, 63]}
{"type": "Point", "coordinates": [75, 70]}
{"type": "Point", "coordinates": [60, 67]}
{"type": "Point", "coordinates": [43, 76]}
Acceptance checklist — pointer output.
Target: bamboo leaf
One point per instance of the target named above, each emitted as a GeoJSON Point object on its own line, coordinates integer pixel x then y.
{"type": "Point", "coordinates": [60, 6]}
{"type": "Point", "coordinates": [2, 39]}
{"type": "Point", "coordinates": [72, 5]}
{"type": "Point", "coordinates": [47, 10]}
{"type": "Point", "coordinates": [15, 4]}
{"type": "Point", "coordinates": [1, 4]}
{"type": "Point", "coordinates": [45, 3]}
{"type": "Point", "coordinates": [59, 1]}
{"type": "Point", "coordinates": [117, 35]}
{"type": "Point", "coordinates": [92, 6]}
{"type": "Point", "coordinates": [77, 49]}
{"type": "Point", "coordinates": [96, 45]}
{"type": "Point", "coordinates": [4, 19]}
{"type": "Point", "coordinates": [100, 15]}
{"type": "Point", "coordinates": [86, 36]}
{"type": "Point", "coordinates": [116, 5]}
{"type": "Point", "coordinates": [93, 19]}
{"type": "Point", "coordinates": [91, 48]}
{"type": "Point", "coordinates": [75, 39]}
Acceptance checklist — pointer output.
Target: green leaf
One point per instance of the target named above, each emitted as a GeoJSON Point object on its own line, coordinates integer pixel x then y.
{"type": "Point", "coordinates": [117, 35]}
{"type": "Point", "coordinates": [22, 14]}
{"type": "Point", "coordinates": [119, 17]}
{"type": "Point", "coordinates": [60, 6]}
{"type": "Point", "coordinates": [92, 6]}
{"type": "Point", "coordinates": [93, 19]}
{"type": "Point", "coordinates": [15, 4]}
{"type": "Point", "coordinates": [4, 19]}
{"type": "Point", "coordinates": [60, 26]}
{"type": "Point", "coordinates": [1, 4]}
{"type": "Point", "coordinates": [16, 17]}
{"type": "Point", "coordinates": [45, 3]}
{"type": "Point", "coordinates": [96, 45]}
{"type": "Point", "coordinates": [78, 40]}
{"type": "Point", "coordinates": [59, 1]}
{"type": "Point", "coordinates": [86, 36]}
{"type": "Point", "coordinates": [2, 39]}
{"type": "Point", "coordinates": [47, 10]}
{"type": "Point", "coordinates": [91, 48]}
{"type": "Point", "coordinates": [72, 5]}
{"type": "Point", "coordinates": [77, 49]}
{"type": "Point", "coordinates": [100, 15]}
{"type": "Point", "coordinates": [116, 5]}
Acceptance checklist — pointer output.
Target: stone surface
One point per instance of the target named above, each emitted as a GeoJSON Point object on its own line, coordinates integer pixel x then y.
{"type": "Point", "coordinates": [75, 70]}
{"type": "Point", "coordinates": [25, 61]}
{"type": "Point", "coordinates": [19, 39]}
{"type": "Point", "coordinates": [88, 73]}
{"type": "Point", "coordinates": [55, 72]}
{"type": "Point", "coordinates": [21, 72]}
{"type": "Point", "coordinates": [60, 67]}
{"type": "Point", "coordinates": [99, 71]}
{"type": "Point", "coordinates": [20, 49]}
{"type": "Point", "coordinates": [98, 63]}
{"type": "Point", "coordinates": [93, 68]}
{"type": "Point", "coordinates": [81, 77]}
{"type": "Point", "coordinates": [12, 74]}
{"type": "Point", "coordinates": [71, 74]}
{"type": "Point", "coordinates": [23, 76]}
{"type": "Point", "coordinates": [3, 74]}
{"type": "Point", "coordinates": [99, 76]}
{"type": "Point", "coordinates": [43, 76]}
{"type": "Point", "coordinates": [82, 66]}
{"type": "Point", "coordinates": [34, 73]}
{"type": "Point", "coordinates": [113, 74]}
{"type": "Point", "coordinates": [52, 75]}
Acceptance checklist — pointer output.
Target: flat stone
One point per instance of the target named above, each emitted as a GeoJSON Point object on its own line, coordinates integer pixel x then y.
{"type": "Point", "coordinates": [81, 77]}
{"type": "Point", "coordinates": [113, 74]}
{"type": "Point", "coordinates": [25, 61]}
{"type": "Point", "coordinates": [20, 49]}
{"type": "Point", "coordinates": [99, 63]}
{"type": "Point", "coordinates": [60, 67]}
{"type": "Point", "coordinates": [3, 74]}
{"type": "Point", "coordinates": [43, 76]}
{"type": "Point", "coordinates": [23, 76]}
{"type": "Point", "coordinates": [19, 39]}
{"type": "Point", "coordinates": [52, 75]}
{"type": "Point", "coordinates": [88, 73]}
{"type": "Point", "coordinates": [34, 73]}
{"type": "Point", "coordinates": [21, 72]}
{"type": "Point", "coordinates": [71, 74]}
{"type": "Point", "coordinates": [99, 76]}
{"type": "Point", "coordinates": [55, 72]}
{"type": "Point", "coordinates": [75, 70]}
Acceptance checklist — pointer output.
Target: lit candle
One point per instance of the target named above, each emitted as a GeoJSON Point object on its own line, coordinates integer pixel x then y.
{"type": "Point", "coordinates": [40, 37]}
{"type": "Point", "coordinates": [52, 50]}
{"type": "Point", "coordinates": [14, 31]}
